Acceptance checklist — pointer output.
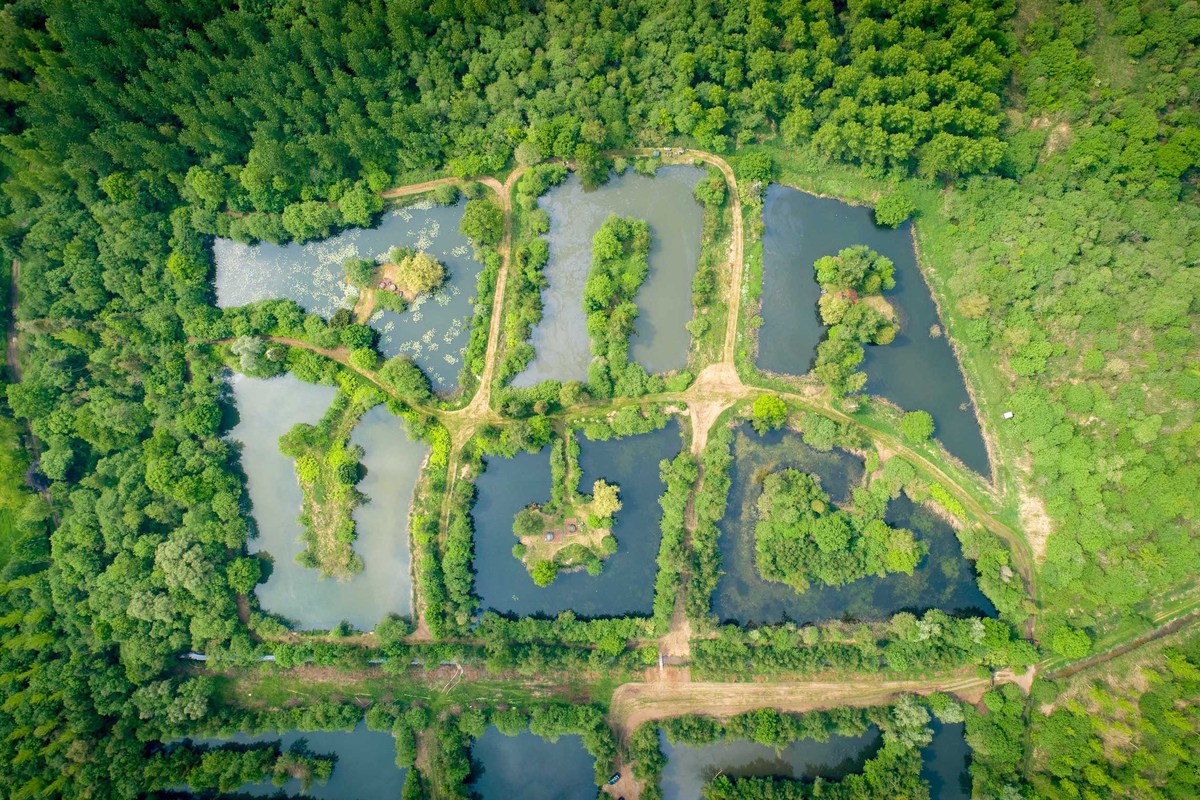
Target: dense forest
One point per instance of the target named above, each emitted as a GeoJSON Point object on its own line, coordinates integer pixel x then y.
{"type": "Point", "coordinates": [1050, 152]}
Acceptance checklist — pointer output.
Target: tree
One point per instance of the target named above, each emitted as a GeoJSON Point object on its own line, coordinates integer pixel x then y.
{"type": "Point", "coordinates": [544, 572]}
{"type": "Point", "coordinates": [916, 426]}
{"type": "Point", "coordinates": [1071, 643]}
{"type": "Point", "coordinates": [893, 208]}
{"type": "Point", "coordinates": [482, 221]}
{"type": "Point", "coordinates": [244, 574]}
{"type": "Point", "coordinates": [528, 522]}
{"type": "Point", "coordinates": [769, 413]}
{"type": "Point", "coordinates": [359, 205]}
{"type": "Point", "coordinates": [310, 219]}
{"type": "Point", "coordinates": [605, 499]}
{"type": "Point", "coordinates": [419, 273]}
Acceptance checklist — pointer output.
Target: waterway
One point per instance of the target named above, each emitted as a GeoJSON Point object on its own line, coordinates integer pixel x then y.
{"type": "Point", "coordinates": [267, 409]}
{"type": "Point", "coordinates": [660, 341]}
{"type": "Point", "coordinates": [434, 331]}
{"type": "Point", "coordinates": [916, 371]}
{"type": "Point", "coordinates": [365, 769]}
{"type": "Point", "coordinates": [690, 767]}
{"type": "Point", "coordinates": [944, 579]}
{"type": "Point", "coordinates": [626, 586]}
{"type": "Point", "coordinates": [529, 767]}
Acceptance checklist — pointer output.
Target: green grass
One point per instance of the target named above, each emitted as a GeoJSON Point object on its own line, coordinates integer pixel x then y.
{"type": "Point", "coordinates": [439, 690]}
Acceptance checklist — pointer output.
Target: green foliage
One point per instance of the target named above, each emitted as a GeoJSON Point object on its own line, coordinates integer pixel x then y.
{"type": "Point", "coordinates": [544, 572]}
{"type": "Point", "coordinates": [769, 413]}
{"type": "Point", "coordinates": [894, 208]}
{"type": "Point", "coordinates": [619, 251]}
{"type": "Point", "coordinates": [416, 272]}
{"type": "Point", "coordinates": [800, 535]}
{"type": "Point", "coordinates": [482, 221]}
{"type": "Point", "coordinates": [846, 280]}
{"type": "Point", "coordinates": [916, 426]}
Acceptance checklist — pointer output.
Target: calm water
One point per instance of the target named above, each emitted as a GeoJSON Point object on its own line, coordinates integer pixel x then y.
{"type": "Point", "coordinates": [528, 767]}
{"type": "Point", "coordinates": [943, 579]}
{"type": "Point", "coordinates": [269, 408]}
{"type": "Point", "coordinates": [434, 330]}
{"type": "Point", "coordinates": [660, 341]}
{"type": "Point", "coordinates": [626, 586]}
{"type": "Point", "coordinates": [365, 770]}
{"type": "Point", "coordinates": [916, 371]}
{"type": "Point", "coordinates": [946, 761]}
{"type": "Point", "coordinates": [690, 767]}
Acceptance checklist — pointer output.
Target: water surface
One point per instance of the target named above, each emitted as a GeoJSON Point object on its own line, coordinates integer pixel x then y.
{"type": "Point", "coordinates": [946, 761]}
{"type": "Point", "coordinates": [660, 341]}
{"type": "Point", "coordinates": [690, 767]}
{"type": "Point", "coordinates": [626, 586]}
{"type": "Point", "coordinates": [266, 410]}
{"type": "Point", "coordinates": [944, 579]}
{"type": "Point", "coordinates": [917, 370]}
{"type": "Point", "coordinates": [434, 330]}
{"type": "Point", "coordinates": [365, 769]}
{"type": "Point", "coordinates": [527, 766]}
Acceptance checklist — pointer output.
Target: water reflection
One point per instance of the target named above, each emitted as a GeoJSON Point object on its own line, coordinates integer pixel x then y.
{"type": "Point", "coordinates": [660, 341]}
{"type": "Point", "coordinates": [917, 370]}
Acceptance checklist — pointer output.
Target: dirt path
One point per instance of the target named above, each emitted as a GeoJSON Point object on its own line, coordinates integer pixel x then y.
{"type": "Point", "coordinates": [635, 703]}
{"type": "Point", "coordinates": [1175, 625]}
{"type": "Point", "coordinates": [422, 187]}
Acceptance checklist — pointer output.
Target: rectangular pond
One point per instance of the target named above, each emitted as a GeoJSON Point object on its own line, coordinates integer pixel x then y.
{"type": "Point", "coordinates": [660, 342]}
{"type": "Point", "coordinates": [945, 761]}
{"type": "Point", "coordinates": [626, 586]}
{"type": "Point", "coordinates": [267, 409]}
{"type": "Point", "coordinates": [944, 579]}
{"type": "Point", "coordinates": [917, 370]}
{"type": "Point", "coordinates": [434, 331]}
{"type": "Point", "coordinates": [530, 767]}
{"type": "Point", "coordinates": [690, 767]}
{"type": "Point", "coordinates": [365, 769]}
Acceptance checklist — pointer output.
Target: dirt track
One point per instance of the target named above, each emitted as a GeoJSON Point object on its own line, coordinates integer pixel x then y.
{"type": "Point", "coordinates": [635, 703]}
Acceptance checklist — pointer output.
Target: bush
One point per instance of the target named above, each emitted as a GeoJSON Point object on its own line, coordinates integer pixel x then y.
{"type": "Point", "coordinates": [916, 426]}
{"type": "Point", "coordinates": [482, 221]}
{"type": "Point", "coordinates": [769, 413]}
{"type": "Point", "coordinates": [893, 208]}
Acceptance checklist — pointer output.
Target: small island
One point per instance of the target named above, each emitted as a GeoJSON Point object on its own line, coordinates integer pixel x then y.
{"type": "Point", "coordinates": [853, 308]}
{"type": "Point", "coordinates": [802, 536]}
{"type": "Point", "coordinates": [395, 283]}
{"type": "Point", "coordinates": [567, 536]}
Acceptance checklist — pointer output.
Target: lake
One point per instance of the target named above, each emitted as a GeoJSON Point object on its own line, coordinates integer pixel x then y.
{"type": "Point", "coordinates": [690, 767]}
{"type": "Point", "coordinates": [945, 761]}
{"type": "Point", "coordinates": [529, 767]}
{"type": "Point", "coordinates": [917, 370]}
{"type": "Point", "coordinates": [266, 410]}
{"type": "Point", "coordinates": [434, 331]}
{"type": "Point", "coordinates": [944, 579]}
{"type": "Point", "coordinates": [660, 341]}
{"type": "Point", "coordinates": [626, 586]}
{"type": "Point", "coordinates": [365, 769]}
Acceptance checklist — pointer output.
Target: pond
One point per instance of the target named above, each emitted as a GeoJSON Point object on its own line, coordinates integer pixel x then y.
{"type": "Point", "coordinates": [944, 579]}
{"type": "Point", "coordinates": [626, 586]}
{"type": "Point", "coordinates": [530, 767]}
{"type": "Point", "coordinates": [946, 761]}
{"type": "Point", "coordinates": [690, 767]}
{"type": "Point", "coordinates": [365, 769]}
{"type": "Point", "coordinates": [266, 410]}
{"type": "Point", "coordinates": [917, 370]}
{"type": "Point", "coordinates": [660, 341]}
{"type": "Point", "coordinates": [434, 330]}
